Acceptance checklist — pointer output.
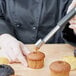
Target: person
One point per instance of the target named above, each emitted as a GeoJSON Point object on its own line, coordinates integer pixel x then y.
{"type": "Point", "coordinates": [25, 21]}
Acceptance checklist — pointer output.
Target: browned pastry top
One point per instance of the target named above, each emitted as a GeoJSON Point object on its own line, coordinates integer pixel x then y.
{"type": "Point", "coordinates": [36, 56]}
{"type": "Point", "coordinates": [60, 66]}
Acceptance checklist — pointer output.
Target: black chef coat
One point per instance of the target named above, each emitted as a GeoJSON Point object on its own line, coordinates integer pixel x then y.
{"type": "Point", "coordinates": [29, 20]}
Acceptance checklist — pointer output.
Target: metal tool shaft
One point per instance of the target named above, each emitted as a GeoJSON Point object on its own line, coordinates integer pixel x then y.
{"type": "Point", "coordinates": [60, 24]}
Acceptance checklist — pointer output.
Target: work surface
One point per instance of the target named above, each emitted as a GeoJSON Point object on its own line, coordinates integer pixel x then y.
{"type": "Point", "coordinates": [53, 52]}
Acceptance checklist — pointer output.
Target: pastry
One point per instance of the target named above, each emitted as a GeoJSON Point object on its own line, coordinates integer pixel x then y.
{"type": "Point", "coordinates": [4, 60]}
{"type": "Point", "coordinates": [36, 60]}
{"type": "Point", "coordinates": [71, 60]}
{"type": "Point", "coordinates": [60, 68]}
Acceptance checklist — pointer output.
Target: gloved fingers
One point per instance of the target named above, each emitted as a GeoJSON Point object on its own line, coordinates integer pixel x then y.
{"type": "Point", "coordinates": [19, 56]}
{"type": "Point", "coordinates": [72, 26]}
{"type": "Point", "coordinates": [24, 49]}
{"type": "Point", "coordinates": [73, 23]}
{"type": "Point", "coordinates": [22, 59]}
{"type": "Point", "coordinates": [7, 53]}
{"type": "Point", "coordinates": [73, 20]}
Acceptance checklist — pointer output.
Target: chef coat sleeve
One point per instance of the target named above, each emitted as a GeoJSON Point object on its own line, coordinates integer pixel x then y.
{"type": "Point", "coordinates": [5, 26]}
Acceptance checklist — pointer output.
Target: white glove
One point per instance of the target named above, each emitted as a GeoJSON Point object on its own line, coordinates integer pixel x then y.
{"type": "Point", "coordinates": [73, 20]}
{"type": "Point", "coordinates": [13, 49]}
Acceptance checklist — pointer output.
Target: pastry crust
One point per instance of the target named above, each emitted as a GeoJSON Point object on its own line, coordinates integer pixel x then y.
{"type": "Point", "coordinates": [4, 60]}
{"type": "Point", "coordinates": [36, 60]}
{"type": "Point", "coordinates": [71, 60]}
{"type": "Point", "coordinates": [60, 68]}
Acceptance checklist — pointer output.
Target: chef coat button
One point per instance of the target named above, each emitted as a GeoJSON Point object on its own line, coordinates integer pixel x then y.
{"type": "Point", "coordinates": [18, 25]}
{"type": "Point", "coordinates": [34, 28]}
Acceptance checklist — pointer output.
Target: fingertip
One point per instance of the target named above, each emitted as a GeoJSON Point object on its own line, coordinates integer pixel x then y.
{"type": "Point", "coordinates": [22, 60]}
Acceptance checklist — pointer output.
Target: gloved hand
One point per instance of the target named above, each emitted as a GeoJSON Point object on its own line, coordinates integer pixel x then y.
{"type": "Point", "coordinates": [73, 20]}
{"type": "Point", "coordinates": [12, 49]}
